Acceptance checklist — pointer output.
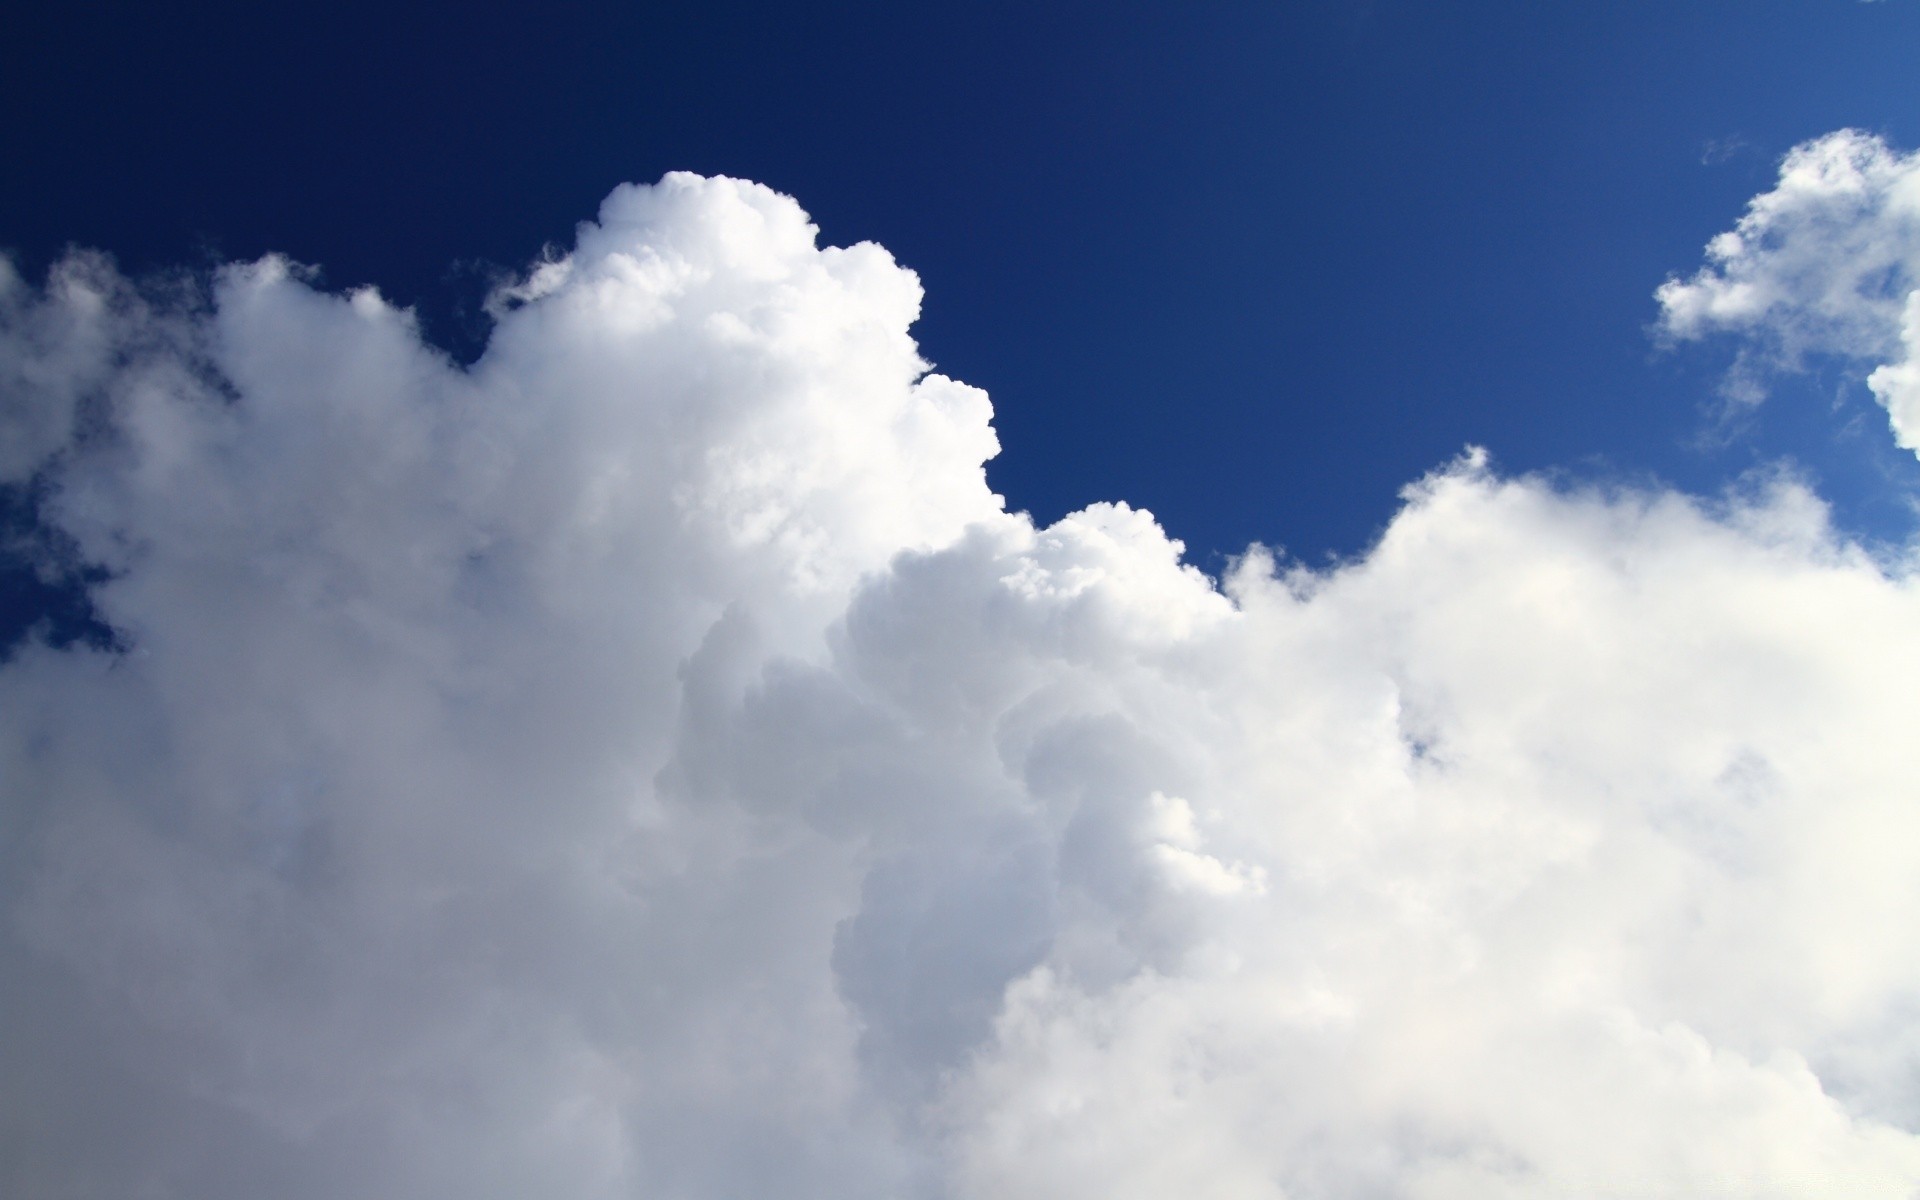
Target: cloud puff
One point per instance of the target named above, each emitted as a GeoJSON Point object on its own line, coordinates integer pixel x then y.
{"type": "Point", "coordinates": [1828, 262]}
{"type": "Point", "coordinates": [652, 761]}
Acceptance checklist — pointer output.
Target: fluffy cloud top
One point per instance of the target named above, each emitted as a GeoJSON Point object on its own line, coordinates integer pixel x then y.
{"type": "Point", "coordinates": [652, 762]}
{"type": "Point", "coordinates": [1828, 262]}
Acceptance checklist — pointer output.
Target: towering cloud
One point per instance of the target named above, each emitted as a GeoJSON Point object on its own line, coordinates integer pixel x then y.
{"type": "Point", "coordinates": [652, 762]}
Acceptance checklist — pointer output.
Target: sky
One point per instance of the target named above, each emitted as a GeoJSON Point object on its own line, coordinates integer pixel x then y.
{"type": "Point", "coordinates": [1251, 266]}
{"type": "Point", "coordinates": [1246, 601]}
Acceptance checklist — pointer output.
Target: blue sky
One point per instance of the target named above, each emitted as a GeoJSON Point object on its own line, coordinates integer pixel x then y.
{"type": "Point", "coordinates": [1250, 265]}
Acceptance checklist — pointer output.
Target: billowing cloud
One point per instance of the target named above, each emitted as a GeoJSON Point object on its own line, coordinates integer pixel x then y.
{"type": "Point", "coordinates": [652, 762]}
{"type": "Point", "coordinates": [1827, 262]}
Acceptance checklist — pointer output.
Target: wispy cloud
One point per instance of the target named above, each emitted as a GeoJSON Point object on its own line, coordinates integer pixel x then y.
{"type": "Point", "coordinates": [1827, 262]}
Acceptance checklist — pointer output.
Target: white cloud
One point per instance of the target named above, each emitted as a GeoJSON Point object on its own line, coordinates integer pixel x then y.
{"type": "Point", "coordinates": [653, 762]}
{"type": "Point", "coordinates": [1827, 262]}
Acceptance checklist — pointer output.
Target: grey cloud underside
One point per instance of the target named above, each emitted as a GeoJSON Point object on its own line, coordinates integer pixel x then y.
{"type": "Point", "coordinates": [651, 762]}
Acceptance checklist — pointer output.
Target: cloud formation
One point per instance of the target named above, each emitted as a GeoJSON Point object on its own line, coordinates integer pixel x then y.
{"type": "Point", "coordinates": [651, 761]}
{"type": "Point", "coordinates": [1827, 262]}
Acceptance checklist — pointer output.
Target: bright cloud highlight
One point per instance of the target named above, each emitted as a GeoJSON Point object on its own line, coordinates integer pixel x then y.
{"type": "Point", "coordinates": [652, 762]}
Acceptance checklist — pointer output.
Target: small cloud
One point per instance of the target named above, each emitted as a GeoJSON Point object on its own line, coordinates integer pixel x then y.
{"type": "Point", "coordinates": [1718, 151]}
{"type": "Point", "coordinates": [1827, 262]}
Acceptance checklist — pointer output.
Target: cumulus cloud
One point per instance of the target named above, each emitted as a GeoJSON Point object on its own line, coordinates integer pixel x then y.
{"type": "Point", "coordinates": [651, 761]}
{"type": "Point", "coordinates": [1827, 262]}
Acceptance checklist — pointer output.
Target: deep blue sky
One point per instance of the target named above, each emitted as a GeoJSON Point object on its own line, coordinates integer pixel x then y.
{"type": "Point", "coordinates": [1251, 265]}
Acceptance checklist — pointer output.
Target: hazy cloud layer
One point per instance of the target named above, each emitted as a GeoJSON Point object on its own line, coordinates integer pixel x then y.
{"type": "Point", "coordinates": [651, 762]}
{"type": "Point", "coordinates": [1828, 262]}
